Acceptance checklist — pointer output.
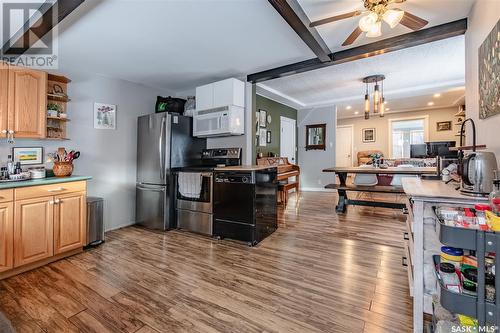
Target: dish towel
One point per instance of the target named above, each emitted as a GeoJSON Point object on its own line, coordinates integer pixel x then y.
{"type": "Point", "coordinates": [190, 184]}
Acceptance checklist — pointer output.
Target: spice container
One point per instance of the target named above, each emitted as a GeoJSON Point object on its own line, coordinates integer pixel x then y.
{"type": "Point", "coordinates": [449, 276]}
{"type": "Point", "coordinates": [452, 255]}
{"type": "Point", "coordinates": [490, 287]}
{"type": "Point", "coordinates": [469, 283]}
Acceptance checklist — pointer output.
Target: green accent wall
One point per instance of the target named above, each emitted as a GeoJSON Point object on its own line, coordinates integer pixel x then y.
{"type": "Point", "coordinates": [276, 110]}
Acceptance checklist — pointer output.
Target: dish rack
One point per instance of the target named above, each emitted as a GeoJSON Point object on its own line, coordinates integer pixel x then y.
{"type": "Point", "coordinates": [17, 177]}
{"type": "Point", "coordinates": [482, 242]}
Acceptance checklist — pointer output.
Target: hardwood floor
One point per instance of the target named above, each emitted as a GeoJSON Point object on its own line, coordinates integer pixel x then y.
{"type": "Point", "coordinates": [319, 272]}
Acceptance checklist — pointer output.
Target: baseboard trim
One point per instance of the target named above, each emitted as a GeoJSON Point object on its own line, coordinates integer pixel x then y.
{"type": "Point", "coordinates": [120, 226]}
{"type": "Point", "coordinates": [316, 189]}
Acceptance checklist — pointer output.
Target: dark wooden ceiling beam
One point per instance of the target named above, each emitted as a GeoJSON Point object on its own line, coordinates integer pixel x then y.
{"type": "Point", "coordinates": [41, 27]}
{"type": "Point", "coordinates": [443, 31]}
{"type": "Point", "coordinates": [294, 15]}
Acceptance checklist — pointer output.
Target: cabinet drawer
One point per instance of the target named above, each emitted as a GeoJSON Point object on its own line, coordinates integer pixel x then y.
{"type": "Point", "coordinates": [6, 195]}
{"type": "Point", "coordinates": [49, 190]}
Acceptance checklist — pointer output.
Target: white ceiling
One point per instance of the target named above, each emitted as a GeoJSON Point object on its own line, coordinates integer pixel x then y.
{"type": "Point", "coordinates": [177, 45]}
{"type": "Point", "coordinates": [435, 11]}
{"type": "Point", "coordinates": [418, 71]}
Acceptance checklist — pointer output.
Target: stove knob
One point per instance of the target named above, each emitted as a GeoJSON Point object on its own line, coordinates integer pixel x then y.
{"type": "Point", "coordinates": [244, 180]}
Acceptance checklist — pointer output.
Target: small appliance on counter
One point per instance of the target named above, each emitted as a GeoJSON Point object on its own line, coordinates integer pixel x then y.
{"type": "Point", "coordinates": [245, 204]}
{"type": "Point", "coordinates": [194, 189]}
{"type": "Point", "coordinates": [477, 169]}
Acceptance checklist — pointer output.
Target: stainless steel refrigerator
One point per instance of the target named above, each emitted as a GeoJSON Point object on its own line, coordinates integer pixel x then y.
{"type": "Point", "coordinates": [164, 142]}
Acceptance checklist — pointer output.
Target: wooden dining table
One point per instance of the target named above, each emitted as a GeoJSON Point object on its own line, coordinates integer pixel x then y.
{"type": "Point", "coordinates": [343, 187]}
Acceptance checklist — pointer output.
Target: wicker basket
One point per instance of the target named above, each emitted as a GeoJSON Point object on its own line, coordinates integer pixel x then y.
{"type": "Point", "coordinates": [63, 169]}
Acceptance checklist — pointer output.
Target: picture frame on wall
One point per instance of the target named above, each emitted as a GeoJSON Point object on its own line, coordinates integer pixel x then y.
{"type": "Point", "coordinates": [262, 118]}
{"type": "Point", "coordinates": [104, 116]}
{"type": "Point", "coordinates": [443, 126]}
{"type": "Point", "coordinates": [262, 137]}
{"type": "Point", "coordinates": [368, 135]}
{"type": "Point", "coordinates": [28, 155]}
{"type": "Point", "coordinates": [268, 137]}
{"type": "Point", "coordinates": [489, 67]}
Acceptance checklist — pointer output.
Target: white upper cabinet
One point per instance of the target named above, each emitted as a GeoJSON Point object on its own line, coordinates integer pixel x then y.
{"type": "Point", "coordinates": [221, 93]}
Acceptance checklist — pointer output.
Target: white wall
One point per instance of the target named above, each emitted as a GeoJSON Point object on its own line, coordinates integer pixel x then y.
{"type": "Point", "coordinates": [482, 18]}
{"type": "Point", "coordinates": [312, 162]}
{"type": "Point", "coordinates": [109, 156]}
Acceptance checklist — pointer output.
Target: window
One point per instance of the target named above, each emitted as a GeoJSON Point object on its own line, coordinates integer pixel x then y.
{"type": "Point", "coordinates": [406, 133]}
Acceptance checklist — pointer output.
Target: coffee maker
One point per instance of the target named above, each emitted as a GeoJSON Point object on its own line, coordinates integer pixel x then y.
{"type": "Point", "coordinates": [476, 168]}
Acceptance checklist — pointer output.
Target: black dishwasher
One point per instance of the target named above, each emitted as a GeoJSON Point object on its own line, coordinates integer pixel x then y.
{"type": "Point", "coordinates": [245, 205]}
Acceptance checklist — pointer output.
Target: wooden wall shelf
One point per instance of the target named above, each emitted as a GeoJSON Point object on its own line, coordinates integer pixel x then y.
{"type": "Point", "coordinates": [58, 118]}
{"type": "Point", "coordinates": [57, 93]}
{"type": "Point", "coordinates": [58, 98]}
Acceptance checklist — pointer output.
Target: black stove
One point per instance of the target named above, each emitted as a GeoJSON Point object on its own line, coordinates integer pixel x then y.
{"type": "Point", "coordinates": [213, 158]}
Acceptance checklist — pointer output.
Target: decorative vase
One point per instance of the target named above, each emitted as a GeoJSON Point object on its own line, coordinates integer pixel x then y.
{"type": "Point", "coordinates": [63, 169]}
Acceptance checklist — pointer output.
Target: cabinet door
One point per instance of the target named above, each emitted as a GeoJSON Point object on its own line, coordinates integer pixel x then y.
{"type": "Point", "coordinates": [229, 92]}
{"type": "Point", "coordinates": [6, 236]}
{"type": "Point", "coordinates": [33, 230]}
{"type": "Point", "coordinates": [4, 105]}
{"type": "Point", "coordinates": [205, 97]}
{"type": "Point", "coordinates": [69, 222]}
{"type": "Point", "coordinates": [27, 102]}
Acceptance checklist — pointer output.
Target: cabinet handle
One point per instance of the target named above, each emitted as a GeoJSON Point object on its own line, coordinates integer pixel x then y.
{"type": "Point", "coordinates": [58, 201]}
{"type": "Point", "coordinates": [403, 262]}
{"type": "Point", "coordinates": [59, 189]}
{"type": "Point", "coordinates": [4, 131]}
{"type": "Point", "coordinates": [51, 202]}
{"type": "Point", "coordinates": [405, 236]}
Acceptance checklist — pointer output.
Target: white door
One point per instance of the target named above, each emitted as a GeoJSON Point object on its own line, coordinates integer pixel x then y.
{"type": "Point", "coordinates": [344, 146]}
{"type": "Point", "coordinates": [287, 139]}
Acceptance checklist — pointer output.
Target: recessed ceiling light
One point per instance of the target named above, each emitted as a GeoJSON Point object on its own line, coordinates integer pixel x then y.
{"type": "Point", "coordinates": [430, 103]}
{"type": "Point", "coordinates": [348, 107]}
{"type": "Point", "coordinates": [387, 109]}
{"type": "Point", "coordinates": [385, 102]}
{"type": "Point", "coordinates": [356, 112]}
{"type": "Point", "coordinates": [437, 95]}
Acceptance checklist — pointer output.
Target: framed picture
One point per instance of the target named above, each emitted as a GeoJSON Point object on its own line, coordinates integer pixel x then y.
{"type": "Point", "coordinates": [28, 155]}
{"type": "Point", "coordinates": [262, 137]}
{"type": "Point", "coordinates": [443, 126]}
{"type": "Point", "coordinates": [368, 135]}
{"type": "Point", "coordinates": [489, 67]}
{"type": "Point", "coordinates": [262, 118]}
{"type": "Point", "coordinates": [104, 116]}
{"type": "Point", "coordinates": [268, 137]}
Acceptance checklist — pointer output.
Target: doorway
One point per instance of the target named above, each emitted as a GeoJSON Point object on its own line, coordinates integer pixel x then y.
{"type": "Point", "coordinates": [288, 140]}
{"type": "Point", "coordinates": [344, 149]}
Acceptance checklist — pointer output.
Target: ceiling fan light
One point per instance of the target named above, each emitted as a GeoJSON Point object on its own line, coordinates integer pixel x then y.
{"type": "Point", "coordinates": [366, 22]}
{"type": "Point", "coordinates": [375, 31]}
{"type": "Point", "coordinates": [392, 17]}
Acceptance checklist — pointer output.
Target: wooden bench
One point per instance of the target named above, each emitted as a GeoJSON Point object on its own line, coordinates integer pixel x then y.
{"type": "Point", "coordinates": [344, 201]}
{"type": "Point", "coordinates": [286, 170]}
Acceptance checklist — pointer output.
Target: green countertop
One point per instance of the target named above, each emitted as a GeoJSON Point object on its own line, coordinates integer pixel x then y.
{"type": "Point", "coordinates": [44, 181]}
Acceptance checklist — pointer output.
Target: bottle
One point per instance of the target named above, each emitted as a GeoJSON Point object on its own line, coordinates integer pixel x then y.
{"type": "Point", "coordinates": [10, 165]}
{"type": "Point", "coordinates": [18, 169]}
{"type": "Point", "coordinates": [494, 196]}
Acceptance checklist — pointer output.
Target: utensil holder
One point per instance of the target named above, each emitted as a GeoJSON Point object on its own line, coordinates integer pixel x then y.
{"type": "Point", "coordinates": [63, 169]}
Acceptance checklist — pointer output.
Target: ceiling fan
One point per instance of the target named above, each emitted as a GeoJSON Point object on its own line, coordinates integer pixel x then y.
{"type": "Point", "coordinates": [371, 23]}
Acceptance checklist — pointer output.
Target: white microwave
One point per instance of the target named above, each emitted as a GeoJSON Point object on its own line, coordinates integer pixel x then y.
{"type": "Point", "coordinates": [221, 121]}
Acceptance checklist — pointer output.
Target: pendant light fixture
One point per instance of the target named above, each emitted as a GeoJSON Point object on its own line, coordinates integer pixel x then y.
{"type": "Point", "coordinates": [367, 103]}
{"type": "Point", "coordinates": [378, 95]}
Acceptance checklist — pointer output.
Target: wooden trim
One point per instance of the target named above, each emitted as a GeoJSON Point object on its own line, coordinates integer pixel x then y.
{"type": "Point", "coordinates": [42, 26]}
{"type": "Point", "coordinates": [432, 34]}
{"type": "Point", "coordinates": [294, 15]}
{"type": "Point", "coordinates": [37, 264]}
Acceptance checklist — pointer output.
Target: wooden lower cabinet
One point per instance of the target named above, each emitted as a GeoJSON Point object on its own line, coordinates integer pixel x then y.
{"type": "Point", "coordinates": [69, 222]}
{"type": "Point", "coordinates": [33, 230]}
{"type": "Point", "coordinates": [6, 236]}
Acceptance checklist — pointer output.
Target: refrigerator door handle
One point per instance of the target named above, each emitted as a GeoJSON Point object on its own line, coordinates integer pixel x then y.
{"type": "Point", "coordinates": [151, 188]}
{"type": "Point", "coordinates": [161, 150]}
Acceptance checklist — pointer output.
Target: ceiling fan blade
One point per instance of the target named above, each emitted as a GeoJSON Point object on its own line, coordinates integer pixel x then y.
{"type": "Point", "coordinates": [352, 37]}
{"type": "Point", "coordinates": [413, 22]}
{"type": "Point", "coordinates": [335, 18]}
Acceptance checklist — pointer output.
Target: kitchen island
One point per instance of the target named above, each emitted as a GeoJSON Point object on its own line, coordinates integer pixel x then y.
{"type": "Point", "coordinates": [41, 221]}
{"type": "Point", "coordinates": [245, 202]}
